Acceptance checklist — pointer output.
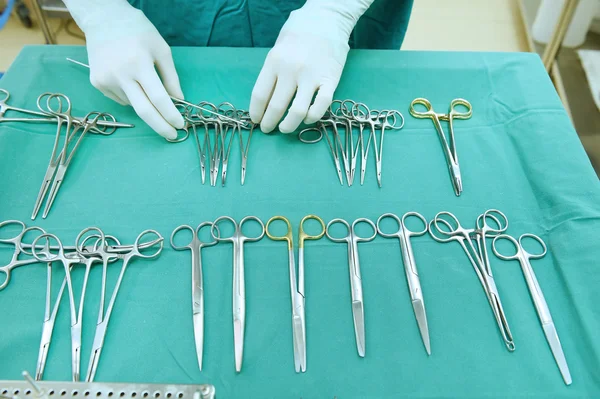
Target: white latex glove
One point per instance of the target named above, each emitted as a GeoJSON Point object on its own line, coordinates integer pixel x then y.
{"type": "Point", "coordinates": [309, 55]}
{"type": "Point", "coordinates": [123, 50]}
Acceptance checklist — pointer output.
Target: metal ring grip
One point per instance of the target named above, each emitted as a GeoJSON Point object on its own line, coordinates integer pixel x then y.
{"type": "Point", "coordinates": [16, 237]}
{"type": "Point", "coordinates": [501, 222]}
{"type": "Point", "coordinates": [256, 219]}
{"type": "Point", "coordinates": [310, 129]}
{"type": "Point", "coordinates": [436, 238]}
{"type": "Point", "coordinates": [49, 257]}
{"type": "Point", "coordinates": [370, 223]}
{"type": "Point", "coordinates": [418, 216]}
{"type": "Point", "coordinates": [428, 113]}
{"type": "Point", "coordinates": [22, 247]}
{"type": "Point", "coordinates": [302, 236]}
{"type": "Point", "coordinates": [335, 239]}
{"type": "Point", "coordinates": [393, 114]}
{"type": "Point", "coordinates": [137, 246]}
{"type": "Point", "coordinates": [288, 236]}
{"type": "Point", "coordinates": [391, 216]}
{"type": "Point", "coordinates": [459, 114]}
{"type": "Point", "coordinates": [452, 228]}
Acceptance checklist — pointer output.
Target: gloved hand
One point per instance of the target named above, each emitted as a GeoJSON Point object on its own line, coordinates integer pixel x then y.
{"type": "Point", "coordinates": [123, 49]}
{"type": "Point", "coordinates": [309, 55]}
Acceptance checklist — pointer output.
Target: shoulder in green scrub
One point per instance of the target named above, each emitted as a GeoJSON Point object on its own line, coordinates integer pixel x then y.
{"type": "Point", "coordinates": [240, 23]}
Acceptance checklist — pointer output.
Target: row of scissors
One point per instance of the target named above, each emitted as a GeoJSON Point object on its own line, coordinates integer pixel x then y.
{"type": "Point", "coordinates": [338, 127]}
{"type": "Point", "coordinates": [34, 246]}
{"type": "Point", "coordinates": [444, 227]}
{"type": "Point", "coordinates": [215, 128]}
{"type": "Point", "coordinates": [55, 108]}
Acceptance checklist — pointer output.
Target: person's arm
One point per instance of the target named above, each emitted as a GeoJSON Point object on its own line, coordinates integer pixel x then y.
{"type": "Point", "coordinates": [123, 50]}
{"type": "Point", "coordinates": [309, 56]}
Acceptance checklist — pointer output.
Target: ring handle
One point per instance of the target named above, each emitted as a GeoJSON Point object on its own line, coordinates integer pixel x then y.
{"type": "Point", "coordinates": [513, 241]}
{"type": "Point", "coordinates": [390, 216]}
{"type": "Point", "coordinates": [303, 236]}
{"type": "Point", "coordinates": [421, 114]}
{"type": "Point", "coordinates": [137, 246]}
{"type": "Point", "coordinates": [335, 239]}
{"type": "Point", "coordinates": [418, 216]}
{"type": "Point", "coordinates": [256, 219]}
{"type": "Point", "coordinates": [177, 230]}
{"type": "Point", "coordinates": [48, 257]}
{"type": "Point", "coordinates": [370, 223]}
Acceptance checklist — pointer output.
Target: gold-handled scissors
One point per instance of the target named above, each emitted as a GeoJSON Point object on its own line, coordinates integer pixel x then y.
{"type": "Point", "coordinates": [297, 282]}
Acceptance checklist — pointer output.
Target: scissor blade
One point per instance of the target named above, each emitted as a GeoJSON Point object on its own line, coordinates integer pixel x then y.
{"type": "Point", "coordinates": [199, 337]}
{"type": "Point", "coordinates": [358, 313]}
{"type": "Point", "coordinates": [238, 343]}
{"type": "Point", "coordinates": [419, 309]}
{"type": "Point", "coordinates": [299, 335]}
{"type": "Point", "coordinates": [557, 352]}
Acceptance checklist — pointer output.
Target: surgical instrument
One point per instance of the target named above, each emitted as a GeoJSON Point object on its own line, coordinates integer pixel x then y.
{"type": "Point", "coordinates": [352, 238]}
{"type": "Point", "coordinates": [404, 234]}
{"type": "Point", "coordinates": [59, 163]}
{"type": "Point", "coordinates": [76, 316]}
{"type": "Point", "coordinates": [297, 282]}
{"type": "Point", "coordinates": [453, 231]}
{"type": "Point", "coordinates": [175, 99]}
{"type": "Point", "coordinates": [448, 144]}
{"type": "Point", "coordinates": [195, 246]}
{"type": "Point", "coordinates": [541, 307]}
{"type": "Point", "coordinates": [237, 239]}
{"type": "Point", "coordinates": [106, 254]}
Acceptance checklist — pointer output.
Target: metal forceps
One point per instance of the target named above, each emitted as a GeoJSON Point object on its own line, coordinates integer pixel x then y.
{"type": "Point", "coordinates": [453, 231]}
{"type": "Point", "coordinates": [244, 148]}
{"type": "Point", "coordinates": [16, 241]}
{"type": "Point", "coordinates": [403, 234]}
{"type": "Point", "coordinates": [68, 261]}
{"type": "Point", "coordinates": [108, 254]}
{"type": "Point", "coordinates": [352, 239]}
{"type": "Point", "coordinates": [237, 239]}
{"type": "Point", "coordinates": [59, 163]}
{"type": "Point", "coordinates": [195, 247]}
{"type": "Point", "coordinates": [448, 145]}
{"type": "Point", "coordinates": [322, 132]}
{"type": "Point", "coordinates": [4, 108]}
{"type": "Point", "coordinates": [297, 283]}
{"type": "Point", "coordinates": [537, 296]}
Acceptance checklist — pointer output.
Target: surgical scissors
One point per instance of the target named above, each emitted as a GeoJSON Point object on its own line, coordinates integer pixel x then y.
{"type": "Point", "coordinates": [541, 307]}
{"type": "Point", "coordinates": [107, 254]}
{"type": "Point", "coordinates": [195, 247]}
{"type": "Point", "coordinates": [403, 234]}
{"type": "Point", "coordinates": [59, 163]}
{"type": "Point", "coordinates": [453, 231]}
{"type": "Point", "coordinates": [448, 145]}
{"type": "Point", "coordinates": [237, 239]}
{"type": "Point", "coordinates": [297, 282]}
{"type": "Point", "coordinates": [352, 239]}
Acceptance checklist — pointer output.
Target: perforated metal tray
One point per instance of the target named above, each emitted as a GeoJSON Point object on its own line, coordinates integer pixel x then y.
{"type": "Point", "coordinates": [102, 390]}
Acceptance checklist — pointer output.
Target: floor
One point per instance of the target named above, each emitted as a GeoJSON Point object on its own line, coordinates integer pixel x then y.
{"type": "Point", "coordinates": [491, 25]}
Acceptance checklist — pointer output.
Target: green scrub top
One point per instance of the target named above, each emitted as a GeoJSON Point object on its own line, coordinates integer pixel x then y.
{"type": "Point", "coordinates": [256, 23]}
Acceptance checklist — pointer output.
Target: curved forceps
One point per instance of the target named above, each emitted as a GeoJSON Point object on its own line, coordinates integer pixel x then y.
{"type": "Point", "coordinates": [4, 108]}
{"type": "Point", "coordinates": [297, 282]}
{"type": "Point", "coordinates": [541, 307]}
{"type": "Point", "coordinates": [448, 145]}
{"type": "Point", "coordinates": [237, 239]}
{"type": "Point", "coordinates": [358, 309]}
{"type": "Point", "coordinates": [403, 234]}
{"type": "Point", "coordinates": [195, 247]}
{"type": "Point", "coordinates": [126, 256]}
{"type": "Point", "coordinates": [455, 232]}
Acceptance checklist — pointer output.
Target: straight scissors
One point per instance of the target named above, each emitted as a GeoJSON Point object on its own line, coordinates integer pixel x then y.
{"type": "Point", "coordinates": [453, 231]}
{"type": "Point", "coordinates": [448, 145]}
{"type": "Point", "coordinates": [195, 247]}
{"type": "Point", "coordinates": [297, 282]}
{"type": "Point", "coordinates": [541, 307]}
{"type": "Point", "coordinates": [403, 234]}
{"type": "Point", "coordinates": [237, 239]}
{"type": "Point", "coordinates": [109, 254]}
{"type": "Point", "coordinates": [352, 239]}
